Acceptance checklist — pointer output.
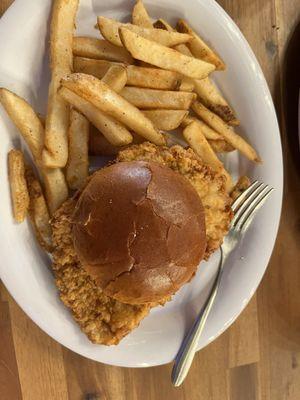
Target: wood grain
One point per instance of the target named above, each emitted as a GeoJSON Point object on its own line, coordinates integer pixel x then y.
{"type": "Point", "coordinates": [258, 358]}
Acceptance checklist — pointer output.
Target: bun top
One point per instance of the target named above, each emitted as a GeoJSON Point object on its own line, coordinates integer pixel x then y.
{"type": "Point", "coordinates": [139, 231]}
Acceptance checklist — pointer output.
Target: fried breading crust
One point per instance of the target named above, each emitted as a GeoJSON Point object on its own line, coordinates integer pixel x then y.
{"type": "Point", "coordinates": [102, 319]}
{"type": "Point", "coordinates": [210, 185]}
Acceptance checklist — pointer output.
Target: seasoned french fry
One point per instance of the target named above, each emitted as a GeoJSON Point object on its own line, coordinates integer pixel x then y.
{"type": "Point", "coordinates": [196, 139]}
{"type": "Point", "coordinates": [114, 131]}
{"type": "Point", "coordinates": [25, 119]}
{"type": "Point", "coordinates": [100, 49]}
{"type": "Point", "coordinates": [163, 57]}
{"type": "Point", "coordinates": [140, 16]}
{"type": "Point", "coordinates": [207, 131]}
{"type": "Point", "coordinates": [18, 187]}
{"type": "Point", "coordinates": [55, 153]}
{"type": "Point", "coordinates": [220, 146]}
{"type": "Point", "coordinates": [77, 168]}
{"type": "Point", "coordinates": [116, 77]}
{"type": "Point", "coordinates": [182, 48]}
{"type": "Point", "coordinates": [109, 28]}
{"type": "Point", "coordinates": [97, 68]}
{"type": "Point", "coordinates": [152, 78]}
{"type": "Point", "coordinates": [210, 96]}
{"type": "Point", "coordinates": [199, 48]}
{"type": "Point", "coordinates": [152, 98]}
{"type": "Point", "coordinates": [166, 120]}
{"type": "Point", "coordinates": [31, 128]}
{"type": "Point", "coordinates": [55, 186]}
{"type": "Point", "coordinates": [108, 101]}
{"type": "Point", "coordinates": [38, 211]}
{"type": "Point", "coordinates": [225, 131]}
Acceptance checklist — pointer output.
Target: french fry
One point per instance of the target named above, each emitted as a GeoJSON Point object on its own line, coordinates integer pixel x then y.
{"type": "Point", "coordinates": [140, 16]}
{"type": "Point", "coordinates": [210, 96]}
{"type": "Point", "coordinates": [97, 68]}
{"type": "Point", "coordinates": [182, 48]}
{"type": "Point", "coordinates": [25, 119]}
{"type": "Point", "coordinates": [221, 146]}
{"type": "Point", "coordinates": [225, 131]}
{"type": "Point", "coordinates": [199, 48]}
{"type": "Point", "coordinates": [207, 131]}
{"type": "Point", "coordinates": [18, 187]}
{"type": "Point", "coordinates": [152, 98]}
{"type": "Point", "coordinates": [114, 131]}
{"type": "Point", "coordinates": [55, 153]}
{"type": "Point", "coordinates": [55, 187]}
{"type": "Point", "coordinates": [163, 57]}
{"type": "Point", "coordinates": [166, 120]}
{"type": "Point", "coordinates": [31, 128]}
{"type": "Point", "coordinates": [152, 78]}
{"type": "Point", "coordinates": [38, 211]}
{"type": "Point", "coordinates": [109, 102]}
{"type": "Point", "coordinates": [116, 77]}
{"type": "Point", "coordinates": [100, 49]}
{"type": "Point", "coordinates": [77, 168]}
{"type": "Point", "coordinates": [197, 141]}
{"type": "Point", "coordinates": [109, 29]}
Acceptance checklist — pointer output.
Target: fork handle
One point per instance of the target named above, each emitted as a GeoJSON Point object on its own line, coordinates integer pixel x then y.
{"type": "Point", "coordinates": [188, 348]}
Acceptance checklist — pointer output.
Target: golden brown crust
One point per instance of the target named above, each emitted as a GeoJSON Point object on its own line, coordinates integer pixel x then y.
{"type": "Point", "coordinates": [209, 184]}
{"type": "Point", "coordinates": [102, 319]}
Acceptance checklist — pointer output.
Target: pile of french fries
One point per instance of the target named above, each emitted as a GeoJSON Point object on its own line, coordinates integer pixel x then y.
{"type": "Point", "coordinates": [141, 81]}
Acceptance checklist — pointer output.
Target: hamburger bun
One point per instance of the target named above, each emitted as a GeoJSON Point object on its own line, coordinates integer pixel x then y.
{"type": "Point", "coordinates": [139, 231]}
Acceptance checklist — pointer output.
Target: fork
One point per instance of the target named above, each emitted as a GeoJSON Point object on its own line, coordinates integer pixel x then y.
{"type": "Point", "coordinates": [243, 208]}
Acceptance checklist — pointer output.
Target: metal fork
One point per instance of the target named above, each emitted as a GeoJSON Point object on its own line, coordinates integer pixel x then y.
{"type": "Point", "coordinates": [244, 208]}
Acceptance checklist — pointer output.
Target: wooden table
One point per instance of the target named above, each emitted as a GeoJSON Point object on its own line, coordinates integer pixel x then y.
{"type": "Point", "coordinates": [257, 358]}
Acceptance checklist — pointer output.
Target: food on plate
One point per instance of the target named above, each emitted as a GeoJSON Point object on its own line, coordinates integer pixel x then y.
{"type": "Point", "coordinates": [198, 47]}
{"type": "Point", "coordinates": [94, 48]}
{"type": "Point", "coordinates": [209, 184]}
{"type": "Point", "coordinates": [56, 187]}
{"type": "Point", "coordinates": [115, 132]}
{"type": "Point", "coordinates": [38, 211]}
{"type": "Point", "coordinates": [220, 146]}
{"type": "Point", "coordinates": [162, 56]}
{"type": "Point", "coordinates": [207, 131]}
{"type": "Point", "coordinates": [152, 98]}
{"type": "Point", "coordinates": [139, 231]}
{"type": "Point", "coordinates": [166, 120]}
{"type": "Point", "coordinates": [108, 101]}
{"type": "Point", "coordinates": [109, 29]}
{"type": "Point", "coordinates": [25, 119]}
{"type": "Point", "coordinates": [140, 16]}
{"type": "Point", "coordinates": [242, 184]}
{"type": "Point", "coordinates": [77, 168]}
{"type": "Point", "coordinates": [211, 97]}
{"type": "Point", "coordinates": [116, 77]}
{"type": "Point", "coordinates": [225, 131]}
{"type": "Point", "coordinates": [131, 234]}
{"type": "Point", "coordinates": [196, 139]}
{"type": "Point", "coordinates": [152, 78]}
{"type": "Point", "coordinates": [55, 153]}
{"type": "Point", "coordinates": [103, 319]}
{"type": "Point", "coordinates": [18, 187]}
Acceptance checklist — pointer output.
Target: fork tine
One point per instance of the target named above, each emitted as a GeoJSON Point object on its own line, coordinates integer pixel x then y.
{"type": "Point", "coordinates": [258, 189]}
{"type": "Point", "coordinates": [246, 217]}
{"type": "Point", "coordinates": [235, 205]}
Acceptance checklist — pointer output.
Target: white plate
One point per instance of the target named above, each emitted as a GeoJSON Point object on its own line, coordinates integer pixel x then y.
{"type": "Point", "coordinates": [24, 268]}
